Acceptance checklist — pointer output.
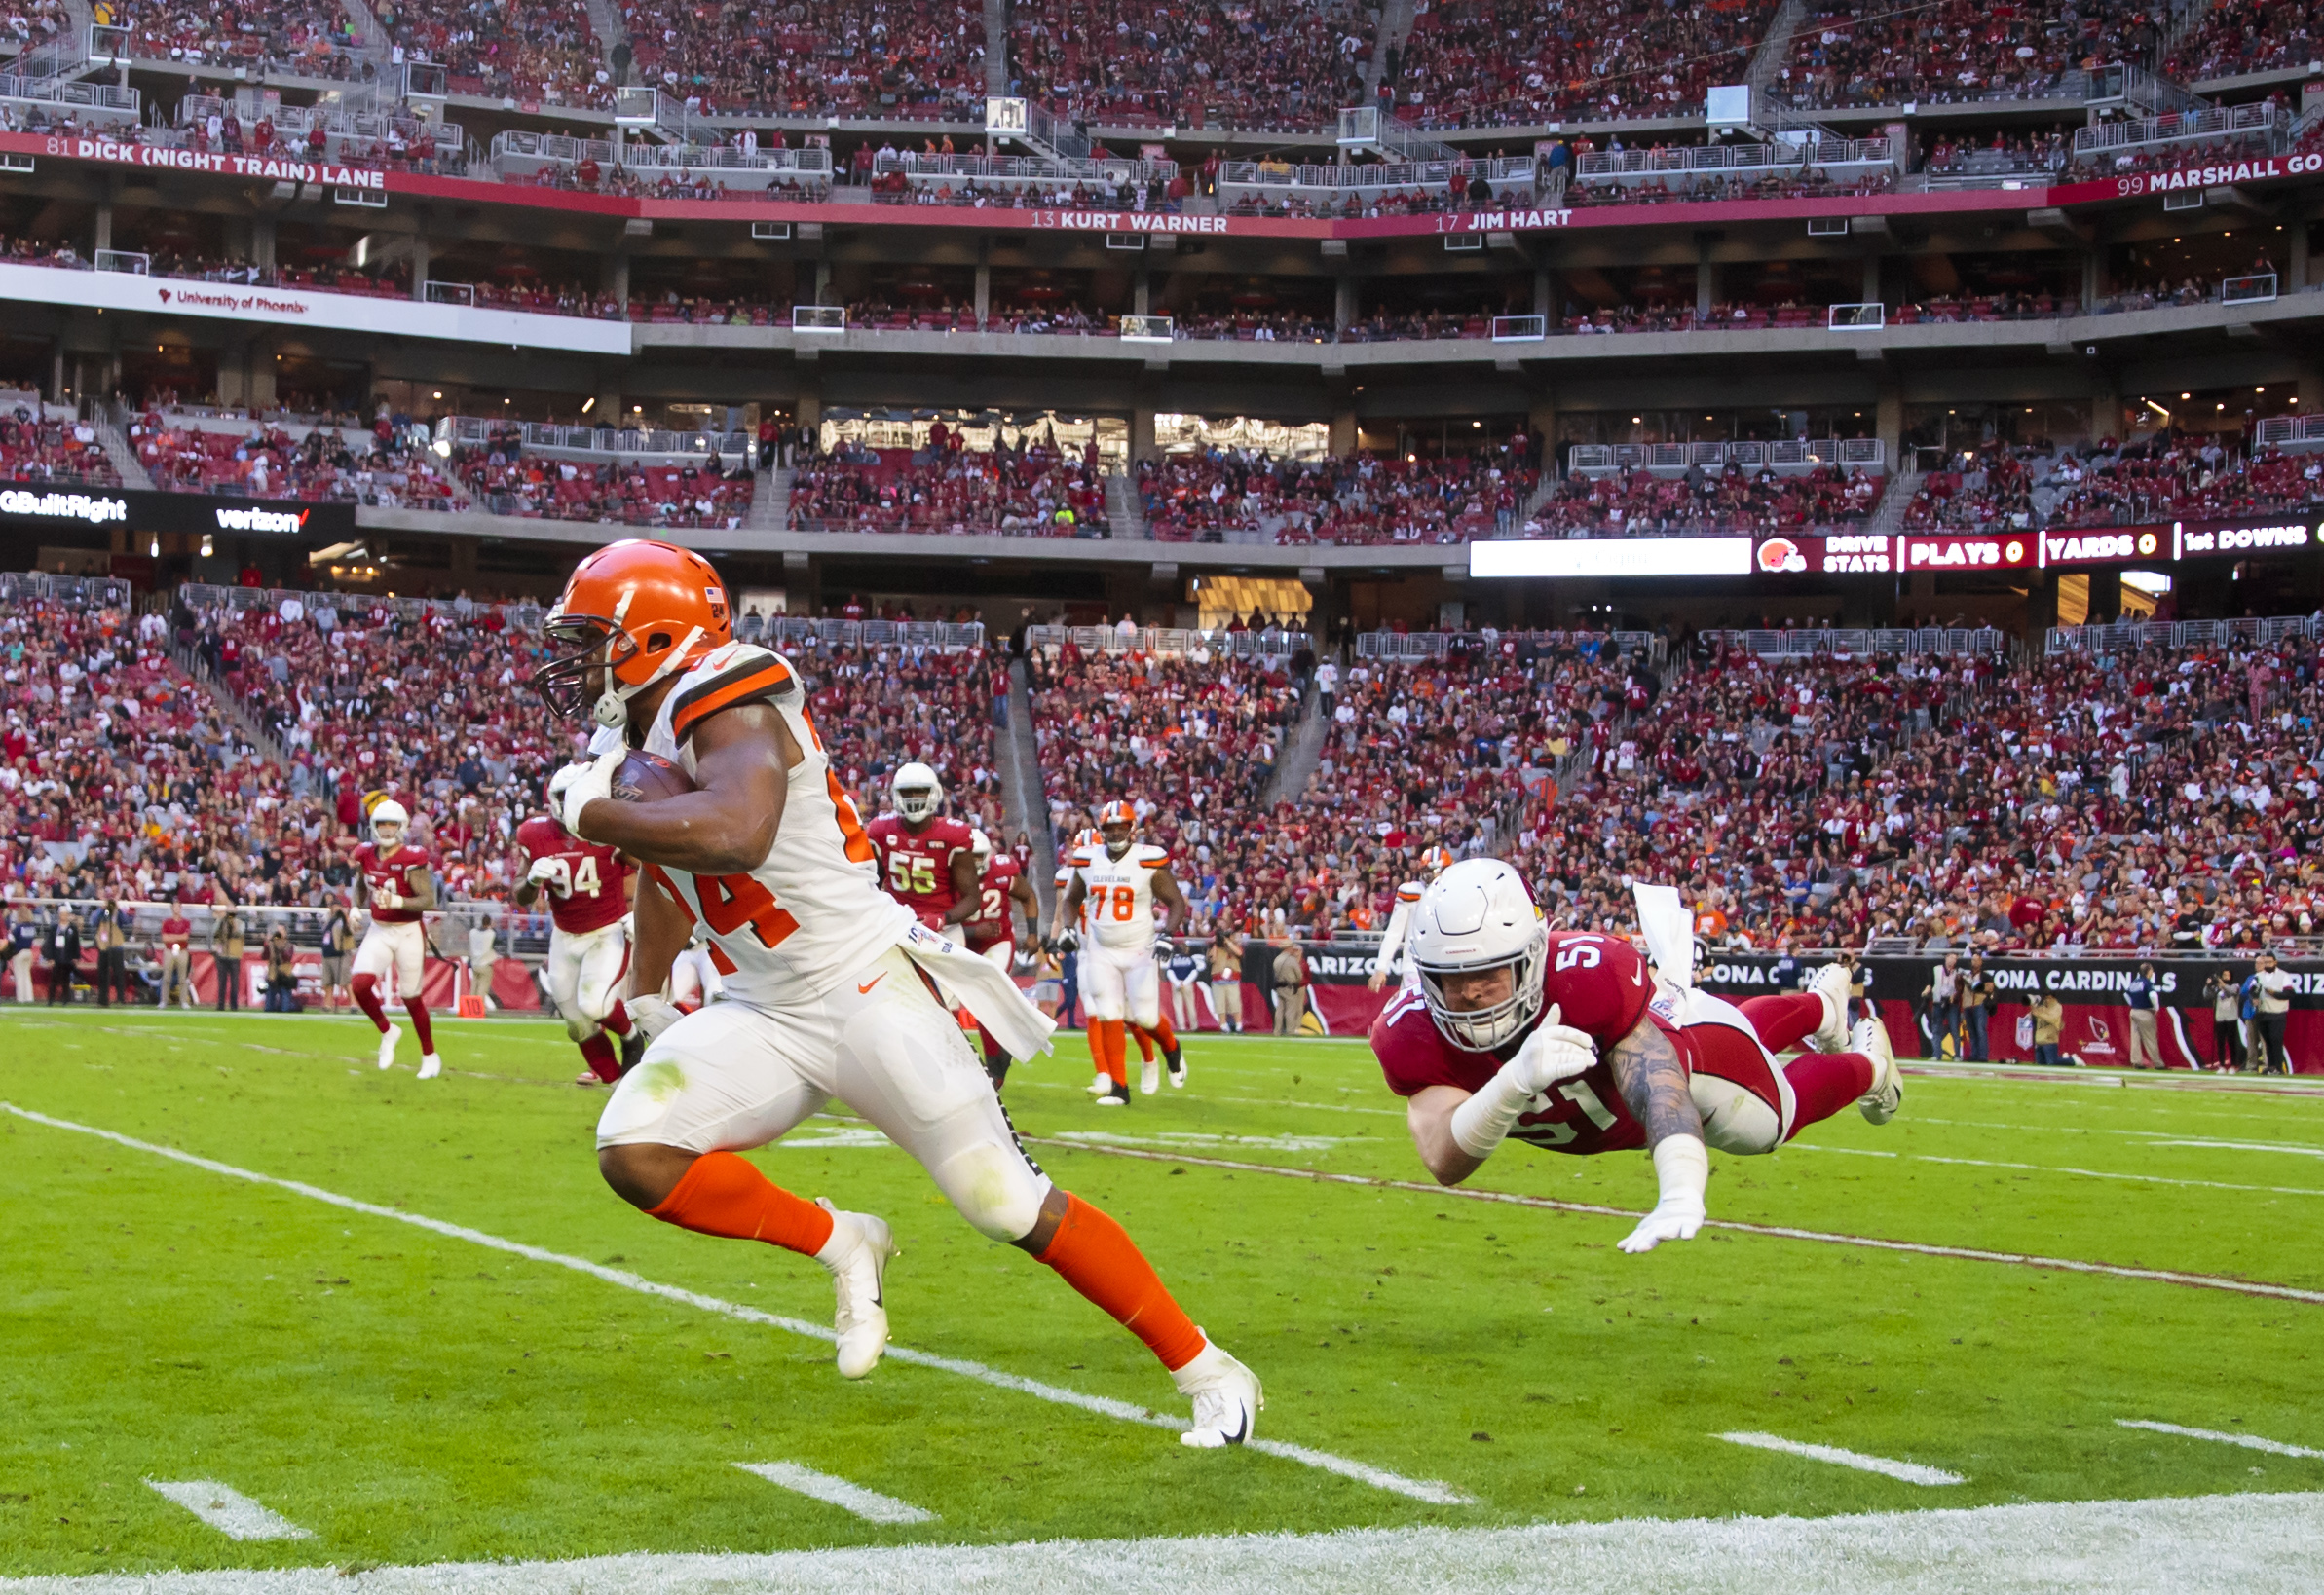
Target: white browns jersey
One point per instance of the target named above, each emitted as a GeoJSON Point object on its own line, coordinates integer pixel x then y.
{"type": "Point", "coordinates": [1117, 909]}
{"type": "Point", "coordinates": [811, 914]}
{"type": "Point", "coordinates": [1400, 924]}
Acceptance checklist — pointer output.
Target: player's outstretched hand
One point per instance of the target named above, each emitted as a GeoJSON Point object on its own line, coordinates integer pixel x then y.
{"type": "Point", "coordinates": [576, 786]}
{"type": "Point", "coordinates": [1380, 978]}
{"type": "Point", "coordinates": [1554, 1052]}
{"type": "Point", "coordinates": [1674, 1218]}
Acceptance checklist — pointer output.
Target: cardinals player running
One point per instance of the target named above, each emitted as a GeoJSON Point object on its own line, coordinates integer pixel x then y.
{"type": "Point", "coordinates": [824, 988]}
{"type": "Point", "coordinates": [925, 861]}
{"type": "Point", "coordinates": [1562, 1040]}
{"type": "Point", "coordinates": [397, 882]}
{"type": "Point", "coordinates": [1121, 879]}
{"type": "Point", "coordinates": [589, 890]}
{"type": "Point", "coordinates": [1434, 860]}
{"type": "Point", "coordinates": [992, 930]}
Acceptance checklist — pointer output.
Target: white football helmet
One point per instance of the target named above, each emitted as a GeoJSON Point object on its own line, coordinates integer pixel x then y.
{"type": "Point", "coordinates": [1478, 915]}
{"type": "Point", "coordinates": [916, 792]}
{"type": "Point", "coordinates": [389, 821]}
{"type": "Point", "coordinates": [980, 846]}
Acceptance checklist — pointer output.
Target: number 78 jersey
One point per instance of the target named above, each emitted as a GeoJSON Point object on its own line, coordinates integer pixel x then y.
{"type": "Point", "coordinates": [1117, 904]}
{"type": "Point", "coordinates": [811, 914]}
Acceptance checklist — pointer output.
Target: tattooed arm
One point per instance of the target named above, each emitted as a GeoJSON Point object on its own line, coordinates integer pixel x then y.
{"type": "Point", "coordinates": [1654, 1084]}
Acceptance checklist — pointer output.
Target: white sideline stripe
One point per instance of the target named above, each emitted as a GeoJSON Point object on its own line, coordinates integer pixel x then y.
{"type": "Point", "coordinates": [1380, 1478]}
{"type": "Point", "coordinates": [2060, 1169]}
{"type": "Point", "coordinates": [2245, 1147]}
{"type": "Point", "coordinates": [228, 1511]}
{"type": "Point", "coordinates": [1910, 1472]}
{"type": "Point", "coordinates": [1784, 1232]}
{"type": "Point", "coordinates": [2251, 1442]}
{"type": "Point", "coordinates": [2230, 1544]}
{"type": "Point", "coordinates": [869, 1505]}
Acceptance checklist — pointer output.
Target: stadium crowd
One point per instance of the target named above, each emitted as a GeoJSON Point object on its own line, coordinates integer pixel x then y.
{"type": "Point", "coordinates": [263, 462]}
{"type": "Point", "coordinates": [1266, 64]}
{"type": "Point", "coordinates": [1869, 52]}
{"type": "Point", "coordinates": [836, 58]}
{"type": "Point", "coordinates": [531, 50]}
{"type": "Point", "coordinates": [1029, 488]}
{"type": "Point", "coordinates": [1481, 62]}
{"type": "Point", "coordinates": [1221, 495]}
{"type": "Point", "coordinates": [505, 480]}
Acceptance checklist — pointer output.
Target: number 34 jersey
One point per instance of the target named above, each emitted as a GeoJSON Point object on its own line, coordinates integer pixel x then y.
{"type": "Point", "coordinates": [811, 914]}
{"type": "Point", "coordinates": [1118, 905]}
{"type": "Point", "coordinates": [597, 875]}
{"type": "Point", "coordinates": [1600, 985]}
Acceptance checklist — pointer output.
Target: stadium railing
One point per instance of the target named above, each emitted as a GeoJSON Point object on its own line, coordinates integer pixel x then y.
{"type": "Point", "coordinates": [86, 591]}
{"type": "Point", "coordinates": [1170, 642]}
{"type": "Point", "coordinates": [476, 432]}
{"type": "Point", "coordinates": [2250, 630]}
{"type": "Point", "coordinates": [1674, 459]}
{"type": "Point", "coordinates": [790, 631]}
{"type": "Point", "coordinates": [1808, 642]}
{"type": "Point", "coordinates": [1438, 645]}
{"type": "Point", "coordinates": [200, 595]}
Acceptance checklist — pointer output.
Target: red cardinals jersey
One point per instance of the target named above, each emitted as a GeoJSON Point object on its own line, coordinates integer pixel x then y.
{"type": "Point", "coordinates": [917, 867]}
{"type": "Point", "coordinates": [1600, 987]}
{"type": "Point", "coordinates": [995, 920]}
{"type": "Point", "coordinates": [400, 874]}
{"type": "Point", "coordinates": [597, 875]}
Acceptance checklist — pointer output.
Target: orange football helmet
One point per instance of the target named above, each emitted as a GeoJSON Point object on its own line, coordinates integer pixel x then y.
{"type": "Point", "coordinates": [632, 612]}
{"type": "Point", "coordinates": [1435, 861]}
{"type": "Point", "coordinates": [1116, 812]}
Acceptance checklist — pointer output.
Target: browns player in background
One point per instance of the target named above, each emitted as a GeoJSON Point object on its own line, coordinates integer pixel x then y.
{"type": "Point", "coordinates": [1568, 1041]}
{"type": "Point", "coordinates": [396, 882]}
{"type": "Point", "coordinates": [927, 862]}
{"type": "Point", "coordinates": [992, 931]}
{"type": "Point", "coordinates": [591, 888]}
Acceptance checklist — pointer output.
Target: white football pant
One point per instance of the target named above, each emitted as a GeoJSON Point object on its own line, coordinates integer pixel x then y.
{"type": "Point", "coordinates": [399, 949]}
{"type": "Point", "coordinates": [1122, 983]}
{"type": "Point", "coordinates": [584, 975]}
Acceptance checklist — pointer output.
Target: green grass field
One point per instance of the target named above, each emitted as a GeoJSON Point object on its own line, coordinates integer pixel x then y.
{"type": "Point", "coordinates": [409, 1396]}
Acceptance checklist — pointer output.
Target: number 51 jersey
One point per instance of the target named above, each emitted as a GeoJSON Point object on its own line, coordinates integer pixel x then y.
{"type": "Point", "coordinates": [1600, 985]}
{"type": "Point", "coordinates": [1117, 904]}
{"type": "Point", "coordinates": [811, 914]}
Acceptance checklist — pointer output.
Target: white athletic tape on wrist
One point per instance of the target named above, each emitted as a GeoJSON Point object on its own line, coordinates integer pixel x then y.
{"type": "Point", "coordinates": [1485, 1119]}
{"type": "Point", "coordinates": [1682, 1166]}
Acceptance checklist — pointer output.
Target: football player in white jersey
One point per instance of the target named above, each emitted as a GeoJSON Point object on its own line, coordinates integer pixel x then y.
{"type": "Point", "coordinates": [1433, 863]}
{"type": "Point", "coordinates": [1115, 886]}
{"type": "Point", "coordinates": [827, 988]}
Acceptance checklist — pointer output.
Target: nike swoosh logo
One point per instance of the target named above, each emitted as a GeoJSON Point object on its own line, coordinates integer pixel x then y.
{"type": "Point", "coordinates": [874, 980]}
{"type": "Point", "coordinates": [1242, 1429]}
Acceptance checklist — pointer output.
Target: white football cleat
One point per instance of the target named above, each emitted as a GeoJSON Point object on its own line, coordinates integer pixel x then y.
{"type": "Point", "coordinates": [1099, 1084]}
{"type": "Point", "coordinates": [1115, 1096]}
{"type": "Point", "coordinates": [1149, 1080]}
{"type": "Point", "coordinates": [387, 1046]}
{"type": "Point", "coordinates": [1226, 1399]}
{"type": "Point", "coordinates": [1879, 1104]}
{"type": "Point", "coordinates": [430, 1065]}
{"type": "Point", "coordinates": [857, 1256]}
{"type": "Point", "coordinates": [1830, 983]}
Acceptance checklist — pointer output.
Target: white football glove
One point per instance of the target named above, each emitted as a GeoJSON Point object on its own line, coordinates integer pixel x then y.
{"type": "Point", "coordinates": [1554, 1052]}
{"type": "Point", "coordinates": [1684, 1166]}
{"type": "Point", "coordinates": [386, 897]}
{"type": "Point", "coordinates": [650, 1016]}
{"type": "Point", "coordinates": [576, 786]}
{"type": "Point", "coordinates": [552, 872]}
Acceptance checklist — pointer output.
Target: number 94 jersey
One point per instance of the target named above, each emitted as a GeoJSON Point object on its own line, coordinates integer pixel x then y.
{"type": "Point", "coordinates": [598, 876]}
{"type": "Point", "coordinates": [1118, 905]}
{"type": "Point", "coordinates": [1600, 985]}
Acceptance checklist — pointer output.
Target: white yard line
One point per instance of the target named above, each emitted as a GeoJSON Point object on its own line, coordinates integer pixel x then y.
{"type": "Point", "coordinates": [1786, 1232]}
{"type": "Point", "coordinates": [2251, 1544]}
{"type": "Point", "coordinates": [2244, 1146]}
{"type": "Point", "coordinates": [1427, 1490]}
{"type": "Point", "coordinates": [2251, 1442]}
{"type": "Point", "coordinates": [228, 1511]}
{"type": "Point", "coordinates": [869, 1505]}
{"type": "Point", "coordinates": [1908, 1472]}
{"type": "Point", "coordinates": [2060, 1169]}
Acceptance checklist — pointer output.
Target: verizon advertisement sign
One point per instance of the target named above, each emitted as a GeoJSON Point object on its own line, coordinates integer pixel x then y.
{"type": "Point", "coordinates": [307, 307]}
{"type": "Point", "coordinates": [199, 513]}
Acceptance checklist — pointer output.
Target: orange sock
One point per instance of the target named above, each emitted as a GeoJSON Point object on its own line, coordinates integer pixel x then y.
{"type": "Point", "coordinates": [722, 1195]}
{"type": "Point", "coordinates": [1165, 1037]}
{"type": "Point", "coordinates": [1096, 1257]}
{"type": "Point", "coordinates": [1117, 1051]}
{"type": "Point", "coordinates": [1145, 1039]}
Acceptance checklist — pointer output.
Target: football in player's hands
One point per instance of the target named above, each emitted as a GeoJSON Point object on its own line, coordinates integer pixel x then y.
{"type": "Point", "coordinates": [1553, 1053]}
{"type": "Point", "coordinates": [647, 778]}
